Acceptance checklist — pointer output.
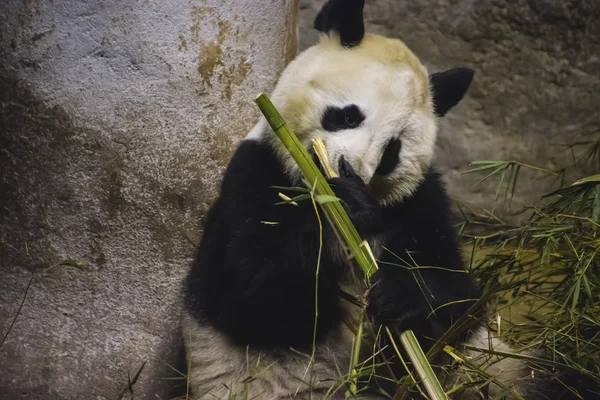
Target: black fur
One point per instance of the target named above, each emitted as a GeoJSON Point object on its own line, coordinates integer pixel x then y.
{"type": "Point", "coordinates": [449, 87]}
{"type": "Point", "coordinates": [390, 158]}
{"type": "Point", "coordinates": [574, 386]}
{"type": "Point", "coordinates": [419, 233]}
{"type": "Point", "coordinates": [335, 119]}
{"type": "Point", "coordinates": [255, 281]}
{"type": "Point", "coordinates": [344, 17]}
{"type": "Point", "coordinates": [364, 211]}
{"type": "Point", "coordinates": [563, 385]}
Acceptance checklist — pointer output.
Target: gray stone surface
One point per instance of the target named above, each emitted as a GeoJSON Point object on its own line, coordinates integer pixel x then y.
{"type": "Point", "coordinates": [537, 81]}
{"type": "Point", "coordinates": [117, 119]}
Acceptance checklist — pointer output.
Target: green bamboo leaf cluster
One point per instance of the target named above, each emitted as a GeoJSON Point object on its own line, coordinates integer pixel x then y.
{"type": "Point", "coordinates": [544, 275]}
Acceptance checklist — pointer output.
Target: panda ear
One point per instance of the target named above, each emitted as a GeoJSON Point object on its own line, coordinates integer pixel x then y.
{"type": "Point", "coordinates": [344, 17]}
{"type": "Point", "coordinates": [449, 87]}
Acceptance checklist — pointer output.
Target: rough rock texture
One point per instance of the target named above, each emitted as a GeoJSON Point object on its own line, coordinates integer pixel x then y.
{"type": "Point", "coordinates": [116, 121]}
{"type": "Point", "coordinates": [537, 81]}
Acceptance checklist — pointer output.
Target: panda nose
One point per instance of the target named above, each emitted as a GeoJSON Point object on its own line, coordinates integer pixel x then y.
{"type": "Point", "coordinates": [346, 170]}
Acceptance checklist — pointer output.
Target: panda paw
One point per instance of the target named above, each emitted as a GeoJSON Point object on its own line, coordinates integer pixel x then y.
{"type": "Point", "coordinates": [362, 208]}
{"type": "Point", "coordinates": [396, 300]}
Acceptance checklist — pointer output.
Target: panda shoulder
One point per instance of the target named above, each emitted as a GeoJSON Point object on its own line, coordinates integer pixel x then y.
{"type": "Point", "coordinates": [432, 191]}
{"type": "Point", "coordinates": [253, 164]}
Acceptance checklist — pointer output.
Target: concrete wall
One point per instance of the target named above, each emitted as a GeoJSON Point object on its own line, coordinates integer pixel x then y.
{"type": "Point", "coordinates": [117, 119]}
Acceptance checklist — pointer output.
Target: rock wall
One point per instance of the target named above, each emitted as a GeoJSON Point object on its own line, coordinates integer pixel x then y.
{"type": "Point", "coordinates": [537, 83]}
{"type": "Point", "coordinates": [117, 119]}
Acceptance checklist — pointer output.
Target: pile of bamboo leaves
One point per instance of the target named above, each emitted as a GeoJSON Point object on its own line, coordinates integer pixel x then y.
{"type": "Point", "coordinates": [544, 274]}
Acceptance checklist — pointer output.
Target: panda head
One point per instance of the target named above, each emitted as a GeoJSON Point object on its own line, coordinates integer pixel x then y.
{"type": "Point", "coordinates": [369, 98]}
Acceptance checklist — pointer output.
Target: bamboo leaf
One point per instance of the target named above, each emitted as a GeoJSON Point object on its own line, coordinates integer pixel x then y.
{"type": "Point", "coordinates": [596, 207]}
{"type": "Point", "coordinates": [324, 198]}
{"type": "Point", "coordinates": [588, 179]}
{"type": "Point", "coordinates": [576, 290]}
{"type": "Point", "coordinates": [586, 286]}
{"type": "Point", "coordinates": [485, 165]}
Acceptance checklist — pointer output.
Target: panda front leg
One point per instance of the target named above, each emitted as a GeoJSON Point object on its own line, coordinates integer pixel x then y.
{"type": "Point", "coordinates": [421, 284]}
{"type": "Point", "coordinates": [250, 294]}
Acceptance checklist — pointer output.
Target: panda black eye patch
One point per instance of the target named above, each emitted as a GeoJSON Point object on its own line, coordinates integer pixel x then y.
{"type": "Point", "coordinates": [390, 158]}
{"type": "Point", "coordinates": [337, 119]}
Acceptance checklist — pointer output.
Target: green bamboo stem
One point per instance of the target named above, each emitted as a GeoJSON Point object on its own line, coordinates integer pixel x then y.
{"type": "Point", "coordinates": [321, 152]}
{"type": "Point", "coordinates": [356, 353]}
{"type": "Point", "coordinates": [346, 231]}
{"type": "Point", "coordinates": [422, 366]}
{"type": "Point", "coordinates": [313, 175]}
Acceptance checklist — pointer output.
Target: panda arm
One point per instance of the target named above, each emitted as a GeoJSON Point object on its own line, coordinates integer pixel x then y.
{"type": "Point", "coordinates": [254, 273]}
{"type": "Point", "coordinates": [420, 233]}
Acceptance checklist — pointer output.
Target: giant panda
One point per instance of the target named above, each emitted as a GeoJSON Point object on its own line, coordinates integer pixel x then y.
{"type": "Point", "coordinates": [257, 323]}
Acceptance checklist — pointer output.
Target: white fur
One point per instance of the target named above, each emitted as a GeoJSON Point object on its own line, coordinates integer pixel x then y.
{"type": "Point", "coordinates": [389, 85]}
{"type": "Point", "coordinates": [221, 370]}
{"type": "Point", "coordinates": [511, 372]}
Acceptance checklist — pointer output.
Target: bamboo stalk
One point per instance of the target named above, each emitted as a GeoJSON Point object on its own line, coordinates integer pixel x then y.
{"type": "Point", "coordinates": [419, 360]}
{"type": "Point", "coordinates": [346, 231]}
{"type": "Point", "coordinates": [334, 210]}
{"type": "Point", "coordinates": [321, 152]}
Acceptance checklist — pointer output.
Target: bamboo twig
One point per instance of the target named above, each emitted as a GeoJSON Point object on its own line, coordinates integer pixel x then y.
{"type": "Point", "coordinates": [346, 231]}
{"type": "Point", "coordinates": [321, 152]}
